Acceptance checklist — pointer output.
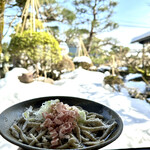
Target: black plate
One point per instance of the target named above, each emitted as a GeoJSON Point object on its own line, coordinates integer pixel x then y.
{"type": "Point", "coordinates": [14, 112]}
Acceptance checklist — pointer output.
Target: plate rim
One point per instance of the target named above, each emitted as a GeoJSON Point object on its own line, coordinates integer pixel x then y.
{"type": "Point", "coordinates": [2, 116]}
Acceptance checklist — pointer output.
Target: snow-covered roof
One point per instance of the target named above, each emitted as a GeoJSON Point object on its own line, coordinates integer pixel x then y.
{"type": "Point", "coordinates": [142, 38]}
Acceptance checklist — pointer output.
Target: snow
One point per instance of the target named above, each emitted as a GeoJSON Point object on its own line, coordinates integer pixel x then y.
{"type": "Point", "coordinates": [102, 67]}
{"type": "Point", "coordinates": [139, 86]}
{"type": "Point", "coordinates": [82, 59]}
{"type": "Point", "coordinates": [133, 76]}
{"type": "Point", "coordinates": [122, 68]}
{"type": "Point", "coordinates": [135, 113]}
{"type": "Point", "coordinates": [64, 47]}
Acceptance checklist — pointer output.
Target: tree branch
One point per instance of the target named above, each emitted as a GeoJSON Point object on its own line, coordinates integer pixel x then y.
{"type": "Point", "coordinates": [10, 25]}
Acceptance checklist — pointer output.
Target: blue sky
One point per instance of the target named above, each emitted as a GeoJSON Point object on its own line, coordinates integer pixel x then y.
{"type": "Point", "coordinates": [133, 13]}
{"type": "Point", "coordinates": [133, 16]}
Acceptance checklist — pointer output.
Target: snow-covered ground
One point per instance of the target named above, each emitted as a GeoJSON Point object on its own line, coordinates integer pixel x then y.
{"type": "Point", "coordinates": [135, 113]}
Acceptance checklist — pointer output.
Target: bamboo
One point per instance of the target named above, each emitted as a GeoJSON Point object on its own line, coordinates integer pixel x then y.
{"type": "Point", "coordinates": [31, 17]}
{"type": "Point", "coordinates": [26, 13]}
{"type": "Point", "coordinates": [38, 4]}
{"type": "Point", "coordinates": [23, 14]}
{"type": "Point", "coordinates": [79, 50]}
{"type": "Point", "coordinates": [33, 11]}
{"type": "Point", "coordinates": [113, 65]}
{"type": "Point", "coordinates": [34, 8]}
{"type": "Point", "coordinates": [145, 80]}
{"type": "Point", "coordinates": [82, 51]}
{"type": "Point", "coordinates": [85, 53]}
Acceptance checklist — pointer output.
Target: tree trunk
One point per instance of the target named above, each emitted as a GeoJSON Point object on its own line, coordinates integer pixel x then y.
{"type": "Point", "coordinates": [2, 7]}
{"type": "Point", "coordinates": [92, 28]}
{"type": "Point", "coordinates": [113, 65]}
{"type": "Point", "coordinates": [143, 59]}
{"type": "Point", "coordinates": [37, 70]}
{"type": "Point", "coordinates": [90, 41]}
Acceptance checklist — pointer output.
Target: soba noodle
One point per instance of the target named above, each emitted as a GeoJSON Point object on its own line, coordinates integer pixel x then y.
{"type": "Point", "coordinates": [34, 131]}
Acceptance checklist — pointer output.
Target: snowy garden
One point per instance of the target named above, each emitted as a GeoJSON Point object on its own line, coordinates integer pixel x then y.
{"type": "Point", "coordinates": [37, 61]}
{"type": "Point", "coordinates": [89, 85]}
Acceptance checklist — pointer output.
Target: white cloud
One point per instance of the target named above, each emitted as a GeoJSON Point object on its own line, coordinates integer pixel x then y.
{"type": "Point", "coordinates": [125, 34]}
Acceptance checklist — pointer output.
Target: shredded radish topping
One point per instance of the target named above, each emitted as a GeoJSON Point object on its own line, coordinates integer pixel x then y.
{"type": "Point", "coordinates": [60, 122]}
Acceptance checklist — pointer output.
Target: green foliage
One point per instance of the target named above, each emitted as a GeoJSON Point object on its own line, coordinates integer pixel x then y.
{"type": "Point", "coordinates": [47, 2]}
{"type": "Point", "coordinates": [96, 13]}
{"type": "Point", "coordinates": [38, 46]}
{"type": "Point", "coordinates": [111, 80]}
{"type": "Point", "coordinates": [96, 46]}
{"type": "Point", "coordinates": [119, 49]}
{"type": "Point", "coordinates": [57, 12]}
{"type": "Point", "coordinates": [84, 65]}
{"type": "Point", "coordinates": [100, 60]}
{"type": "Point", "coordinates": [72, 34]}
{"type": "Point", "coordinates": [54, 31]}
{"type": "Point", "coordinates": [94, 16]}
{"type": "Point", "coordinates": [5, 47]}
{"type": "Point", "coordinates": [65, 64]}
{"type": "Point", "coordinates": [97, 54]}
{"type": "Point", "coordinates": [51, 11]}
{"type": "Point", "coordinates": [20, 4]}
{"type": "Point", "coordinates": [68, 15]}
{"type": "Point", "coordinates": [38, 26]}
{"type": "Point", "coordinates": [6, 56]}
{"type": "Point", "coordinates": [144, 71]}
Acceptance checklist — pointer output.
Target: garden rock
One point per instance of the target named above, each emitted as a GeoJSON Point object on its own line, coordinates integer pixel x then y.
{"type": "Point", "coordinates": [26, 78]}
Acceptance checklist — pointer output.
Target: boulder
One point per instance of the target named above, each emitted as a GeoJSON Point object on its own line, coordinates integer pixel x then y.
{"type": "Point", "coordinates": [26, 78]}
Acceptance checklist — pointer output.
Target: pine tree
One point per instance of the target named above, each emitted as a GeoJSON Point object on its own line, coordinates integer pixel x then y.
{"type": "Point", "coordinates": [95, 15]}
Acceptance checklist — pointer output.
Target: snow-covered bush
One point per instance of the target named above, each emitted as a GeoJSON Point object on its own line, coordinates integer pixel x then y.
{"type": "Point", "coordinates": [83, 61]}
